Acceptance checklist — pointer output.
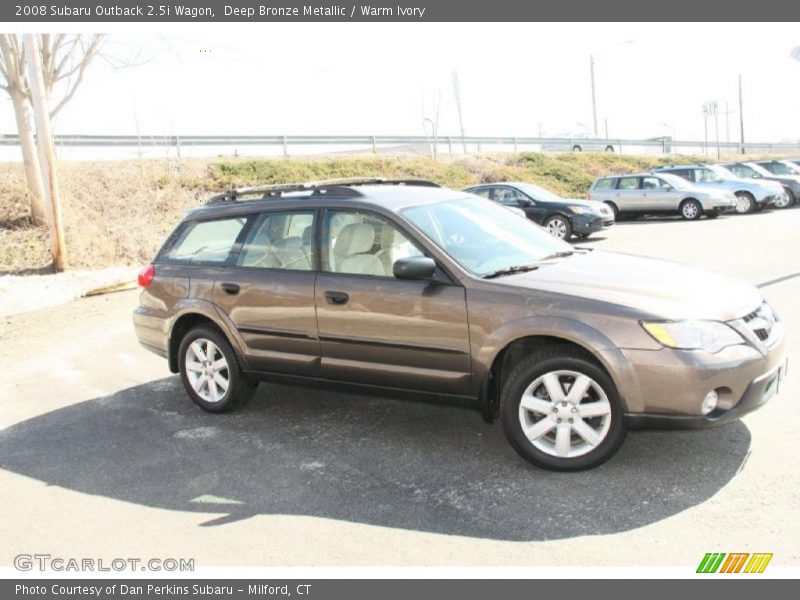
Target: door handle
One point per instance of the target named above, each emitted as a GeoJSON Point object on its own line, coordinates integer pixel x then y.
{"type": "Point", "coordinates": [230, 288]}
{"type": "Point", "coordinates": [336, 297]}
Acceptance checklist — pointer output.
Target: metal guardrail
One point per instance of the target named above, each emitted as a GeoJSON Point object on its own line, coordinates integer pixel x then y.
{"type": "Point", "coordinates": [375, 141]}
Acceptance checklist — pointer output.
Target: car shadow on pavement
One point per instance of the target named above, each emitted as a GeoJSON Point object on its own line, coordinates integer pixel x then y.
{"type": "Point", "coordinates": [390, 463]}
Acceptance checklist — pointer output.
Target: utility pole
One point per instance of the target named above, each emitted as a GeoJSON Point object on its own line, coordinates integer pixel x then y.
{"type": "Point", "coordinates": [44, 144]}
{"type": "Point", "coordinates": [716, 126]}
{"type": "Point", "coordinates": [457, 94]}
{"type": "Point", "coordinates": [741, 117]}
{"type": "Point", "coordinates": [594, 98]}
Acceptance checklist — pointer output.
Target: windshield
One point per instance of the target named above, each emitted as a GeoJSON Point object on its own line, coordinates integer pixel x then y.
{"type": "Point", "coordinates": [782, 168]}
{"type": "Point", "coordinates": [483, 237]}
{"type": "Point", "coordinates": [679, 183]}
{"type": "Point", "coordinates": [714, 173]}
{"type": "Point", "coordinates": [757, 169]}
{"type": "Point", "coordinates": [538, 193]}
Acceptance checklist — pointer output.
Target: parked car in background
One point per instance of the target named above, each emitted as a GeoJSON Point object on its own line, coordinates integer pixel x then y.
{"type": "Point", "coordinates": [751, 170]}
{"type": "Point", "coordinates": [658, 194]}
{"type": "Point", "coordinates": [579, 143]}
{"type": "Point", "coordinates": [750, 195]}
{"type": "Point", "coordinates": [779, 167]}
{"type": "Point", "coordinates": [405, 288]}
{"type": "Point", "coordinates": [562, 217]}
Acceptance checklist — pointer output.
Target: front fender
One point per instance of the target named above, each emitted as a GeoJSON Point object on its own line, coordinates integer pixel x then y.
{"type": "Point", "coordinates": [567, 329]}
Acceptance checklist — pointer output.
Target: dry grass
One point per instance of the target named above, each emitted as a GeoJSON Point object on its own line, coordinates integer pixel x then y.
{"type": "Point", "coordinates": [118, 213]}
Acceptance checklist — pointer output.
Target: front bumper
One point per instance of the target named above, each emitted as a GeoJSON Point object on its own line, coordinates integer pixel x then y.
{"type": "Point", "coordinates": [668, 385]}
{"type": "Point", "coordinates": [769, 200]}
{"type": "Point", "coordinates": [590, 223]}
{"type": "Point", "coordinates": [758, 393]}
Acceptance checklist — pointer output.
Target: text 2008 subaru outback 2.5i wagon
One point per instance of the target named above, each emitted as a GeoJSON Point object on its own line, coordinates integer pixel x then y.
{"type": "Point", "coordinates": [409, 288]}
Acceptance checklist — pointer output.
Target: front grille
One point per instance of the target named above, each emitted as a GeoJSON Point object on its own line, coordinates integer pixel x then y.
{"type": "Point", "coordinates": [761, 321]}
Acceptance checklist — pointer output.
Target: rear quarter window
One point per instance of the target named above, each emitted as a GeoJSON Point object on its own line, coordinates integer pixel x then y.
{"type": "Point", "coordinates": [206, 241]}
{"type": "Point", "coordinates": [603, 184]}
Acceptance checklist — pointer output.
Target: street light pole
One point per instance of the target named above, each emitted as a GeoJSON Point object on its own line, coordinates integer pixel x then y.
{"type": "Point", "coordinates": [594, 98]}
{"type": "Point", "coordinates": [457, 94]}
{"type": "Point", "coordinates": [741, 117]}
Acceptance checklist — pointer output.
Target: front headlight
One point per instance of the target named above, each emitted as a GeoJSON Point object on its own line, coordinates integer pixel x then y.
{"type": "Point", "coordinates": [582, 210]}
{"type": "Point", "coordinates": [711, 336]}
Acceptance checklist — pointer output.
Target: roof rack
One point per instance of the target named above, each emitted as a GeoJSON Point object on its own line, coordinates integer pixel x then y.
{"type": "Point", "coordinates": [339, 187]}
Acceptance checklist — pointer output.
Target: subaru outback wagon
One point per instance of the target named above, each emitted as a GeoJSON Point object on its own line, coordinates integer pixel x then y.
{"type": "Point", "coordinates": [407, 288]}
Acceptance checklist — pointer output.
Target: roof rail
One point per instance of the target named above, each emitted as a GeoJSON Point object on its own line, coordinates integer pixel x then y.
{"type": "Point", "coordinates": [341, 187]}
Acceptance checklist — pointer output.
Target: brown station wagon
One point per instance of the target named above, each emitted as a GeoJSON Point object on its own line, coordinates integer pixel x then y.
{"type": "Point", "coordinates": [406, 288]}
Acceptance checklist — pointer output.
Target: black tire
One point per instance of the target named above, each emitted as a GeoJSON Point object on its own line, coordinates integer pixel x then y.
{"type": "Point", "coordinates": [577, 148]}
{"type": "Point", "coordinates": [745, 199]}
{"type": "Point", "coordinates": [614, 209]}
{"type": "Point", "coordinates": [559, 227]}
{"type": "Point", "coordinates": [240, 388]}
{"type": "Point", "coordinates": [609, 148]}
{"type": "Point", "coordinates": [547, 360]}
{"type": "Point", "coordinates": [690, 210]}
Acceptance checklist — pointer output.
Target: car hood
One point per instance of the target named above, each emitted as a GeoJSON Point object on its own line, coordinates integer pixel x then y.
{"type": "Point", "coordinates": [752, 184]}
{"type": "Point", "coordinates": [596, 204]}
{"type": "Point", "coordinates": [656, 288]}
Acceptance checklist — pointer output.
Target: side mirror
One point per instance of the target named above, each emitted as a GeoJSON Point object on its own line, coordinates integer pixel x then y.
{"type": "Point", "coordinates": [414, 268]}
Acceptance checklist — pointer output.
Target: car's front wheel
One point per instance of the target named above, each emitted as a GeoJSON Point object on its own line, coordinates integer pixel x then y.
{"type": "Point", "coordinates": [561, 411]}
{"type": "Point", "coordinates": [559, 227]}
{"type": "Point", "coordinates": [786, 200]}
{"type": "Point", "coordinates": [210, 371]}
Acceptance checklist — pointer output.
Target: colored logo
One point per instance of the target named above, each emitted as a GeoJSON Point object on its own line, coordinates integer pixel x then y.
{"type": "Point", "coordinates": [734, 562]}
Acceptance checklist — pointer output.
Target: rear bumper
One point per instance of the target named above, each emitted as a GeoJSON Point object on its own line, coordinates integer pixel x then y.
{"type": "Point", "coordinates": [152, 331]}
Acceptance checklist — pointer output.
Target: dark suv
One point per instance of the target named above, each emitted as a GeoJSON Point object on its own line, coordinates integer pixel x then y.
{"type": "Point", "coordinates": [562, 217]}
{"type": "Point", "coordinates": [411, 289]}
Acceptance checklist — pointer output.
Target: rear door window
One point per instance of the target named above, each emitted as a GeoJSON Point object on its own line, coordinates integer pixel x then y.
{"type": "Point", "coordinates": [280, 240]}
{"type": "Point", "coordinates": [628, 183]}
{"type": "Point", "coordinates": [207, 241]}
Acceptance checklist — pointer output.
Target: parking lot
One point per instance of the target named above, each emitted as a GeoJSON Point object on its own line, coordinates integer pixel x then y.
{"type": "Point", "coordinates": [103, 455]}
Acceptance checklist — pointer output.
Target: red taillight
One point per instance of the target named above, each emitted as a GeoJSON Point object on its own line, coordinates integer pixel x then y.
{"type": "Point", "coordinates": [146, 276]}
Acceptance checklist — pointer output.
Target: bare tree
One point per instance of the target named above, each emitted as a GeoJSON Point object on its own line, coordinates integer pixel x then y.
{"type": "Point", "coordinates": [64, 61]}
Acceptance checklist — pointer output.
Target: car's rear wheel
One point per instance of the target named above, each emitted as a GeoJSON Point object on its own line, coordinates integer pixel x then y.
{"type": "Point", "coordinates": [614, 209]}
{"type": "Point", "coordinates": [745, 203]}
{"type": "Point", "coordinates": [691, 210]}
{"type": "Point", "coordinates": [210, 371]}
{"type": "Point", "coordinates": [561, 411]}
{"type": "Point", "coordinates": [559, 227]}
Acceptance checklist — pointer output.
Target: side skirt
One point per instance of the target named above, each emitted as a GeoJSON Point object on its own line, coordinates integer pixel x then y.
{"type": "Point", "coordinates": [372, 390]}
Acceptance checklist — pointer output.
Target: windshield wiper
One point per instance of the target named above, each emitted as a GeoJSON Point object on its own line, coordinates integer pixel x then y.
{"type": "Point", "coordinates": [510, 271]}
{"type": "Point", "coordinates": [561, 254]}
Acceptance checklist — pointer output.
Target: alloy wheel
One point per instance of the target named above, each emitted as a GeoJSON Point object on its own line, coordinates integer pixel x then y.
{"type": "Point", "coordinates": [207, 370]}
{"type": "Point", "coordinates": [743, 204]}
{"type": "Point", "coordinates": [565, 414]}
{"type": "Point", "coordinates": [689, 210]}
{"type": "Point", "coordinates": [557, 227]}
